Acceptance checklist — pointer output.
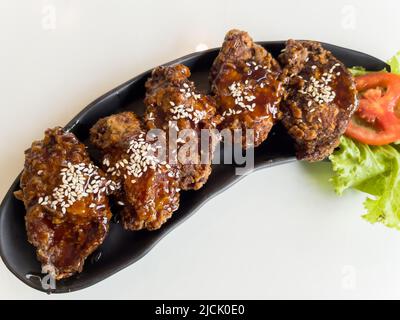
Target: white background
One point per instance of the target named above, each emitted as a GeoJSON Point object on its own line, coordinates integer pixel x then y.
{"type": "Point", "coordinates": [280, 233]}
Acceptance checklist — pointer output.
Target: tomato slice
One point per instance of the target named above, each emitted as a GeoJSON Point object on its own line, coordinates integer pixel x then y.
{"type": "Point", "coordinates": [377, 120]}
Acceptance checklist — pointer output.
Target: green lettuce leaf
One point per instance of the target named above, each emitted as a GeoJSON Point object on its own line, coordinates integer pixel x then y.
{"type": "Point", "coordinates": [374, 170]}
{"type": "Point", "coordinates": [394, 63]}
{"type": "Point", "coordinates": [358, 71]}
{"type": "Point", "coordinates": [355, 164]}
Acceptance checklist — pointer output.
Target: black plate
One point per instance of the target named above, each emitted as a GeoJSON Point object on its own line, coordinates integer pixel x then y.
{"type": "Point", "coordinates": [122, 248]}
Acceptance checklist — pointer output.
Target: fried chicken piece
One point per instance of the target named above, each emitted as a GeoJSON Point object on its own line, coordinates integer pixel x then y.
{"type": "Point", "coordinates": [149, 190]}
{"type": "Point", "coordinates": [321, 97]}
{"type": "Point", "coordinates": [173, 103]}
{"type": "Point", "coordinates": [246, 81]}
{"type": "Point", "coordinates": [65, 196]}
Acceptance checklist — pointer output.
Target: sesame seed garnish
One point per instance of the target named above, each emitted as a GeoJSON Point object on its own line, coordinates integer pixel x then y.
{"type": "Point", "coordinates": [241, 91]}
{"type": "Point", "coordinates": [150, 116]}
{"type": "Point", "coordinates": [78, 181]}
{"type": "Point", "coordinates": [140, 158]}
{"type": "Point", "coordinates": [188, 92]}
{"type": "Point", "coordinates": [319, 89]}
{"type": "Point", "coordinates": [106, 162]}
{"type": "Point", "coordinates": [187, 112]}
{"type": "Point", "coordinates": [273, 110]}
{"type": "Point", "coordinates": [181, 111]}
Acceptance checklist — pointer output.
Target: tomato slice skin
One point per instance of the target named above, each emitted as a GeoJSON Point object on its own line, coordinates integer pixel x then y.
{"type": "Point", "coordinates": [370, 137]}
{"type": "Point", "coordinates": [376, 122]}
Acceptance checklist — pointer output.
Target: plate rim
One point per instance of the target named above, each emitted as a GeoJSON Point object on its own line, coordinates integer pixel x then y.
{"type": "Point", "coordinates": [75, 120]}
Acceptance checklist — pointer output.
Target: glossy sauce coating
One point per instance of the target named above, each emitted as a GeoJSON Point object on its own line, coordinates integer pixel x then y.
{"type": "Point", "coordinates": [63, 238]}
{"type": "Point", "coordinates": [149, 194]}
{"type": "Point", "coordinates": [173, 103]}
{"type": "Point", "coordinates": [321, 97]}
{"type": "Point", "coordinates": [263, 84]}
{"type": "Point", "coordinates": [246, 82]}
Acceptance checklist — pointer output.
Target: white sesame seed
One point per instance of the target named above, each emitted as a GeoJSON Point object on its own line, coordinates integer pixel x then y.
{"type": "Point", "coordinates": [78, 181]}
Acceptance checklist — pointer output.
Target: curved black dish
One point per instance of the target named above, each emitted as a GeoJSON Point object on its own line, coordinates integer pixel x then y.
{"type": "Point", "coordinates": [123, 248]}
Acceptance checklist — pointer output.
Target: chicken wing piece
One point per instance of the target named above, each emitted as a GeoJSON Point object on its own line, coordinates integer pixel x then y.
{"type": "Point", "coordinates": [65, 197]}
{"type": "Point", "coordinates": [149, 187]}
{"type": "Point", "coordinates": [321, 97]}
{"type": "Point", "coordinates": [173, 103]}
{"type": "Point", "coordinates": [246, 82]}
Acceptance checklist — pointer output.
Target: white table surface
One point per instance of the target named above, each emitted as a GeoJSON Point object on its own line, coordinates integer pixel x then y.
{"type": "Point", "coordinates": [280, 233]}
